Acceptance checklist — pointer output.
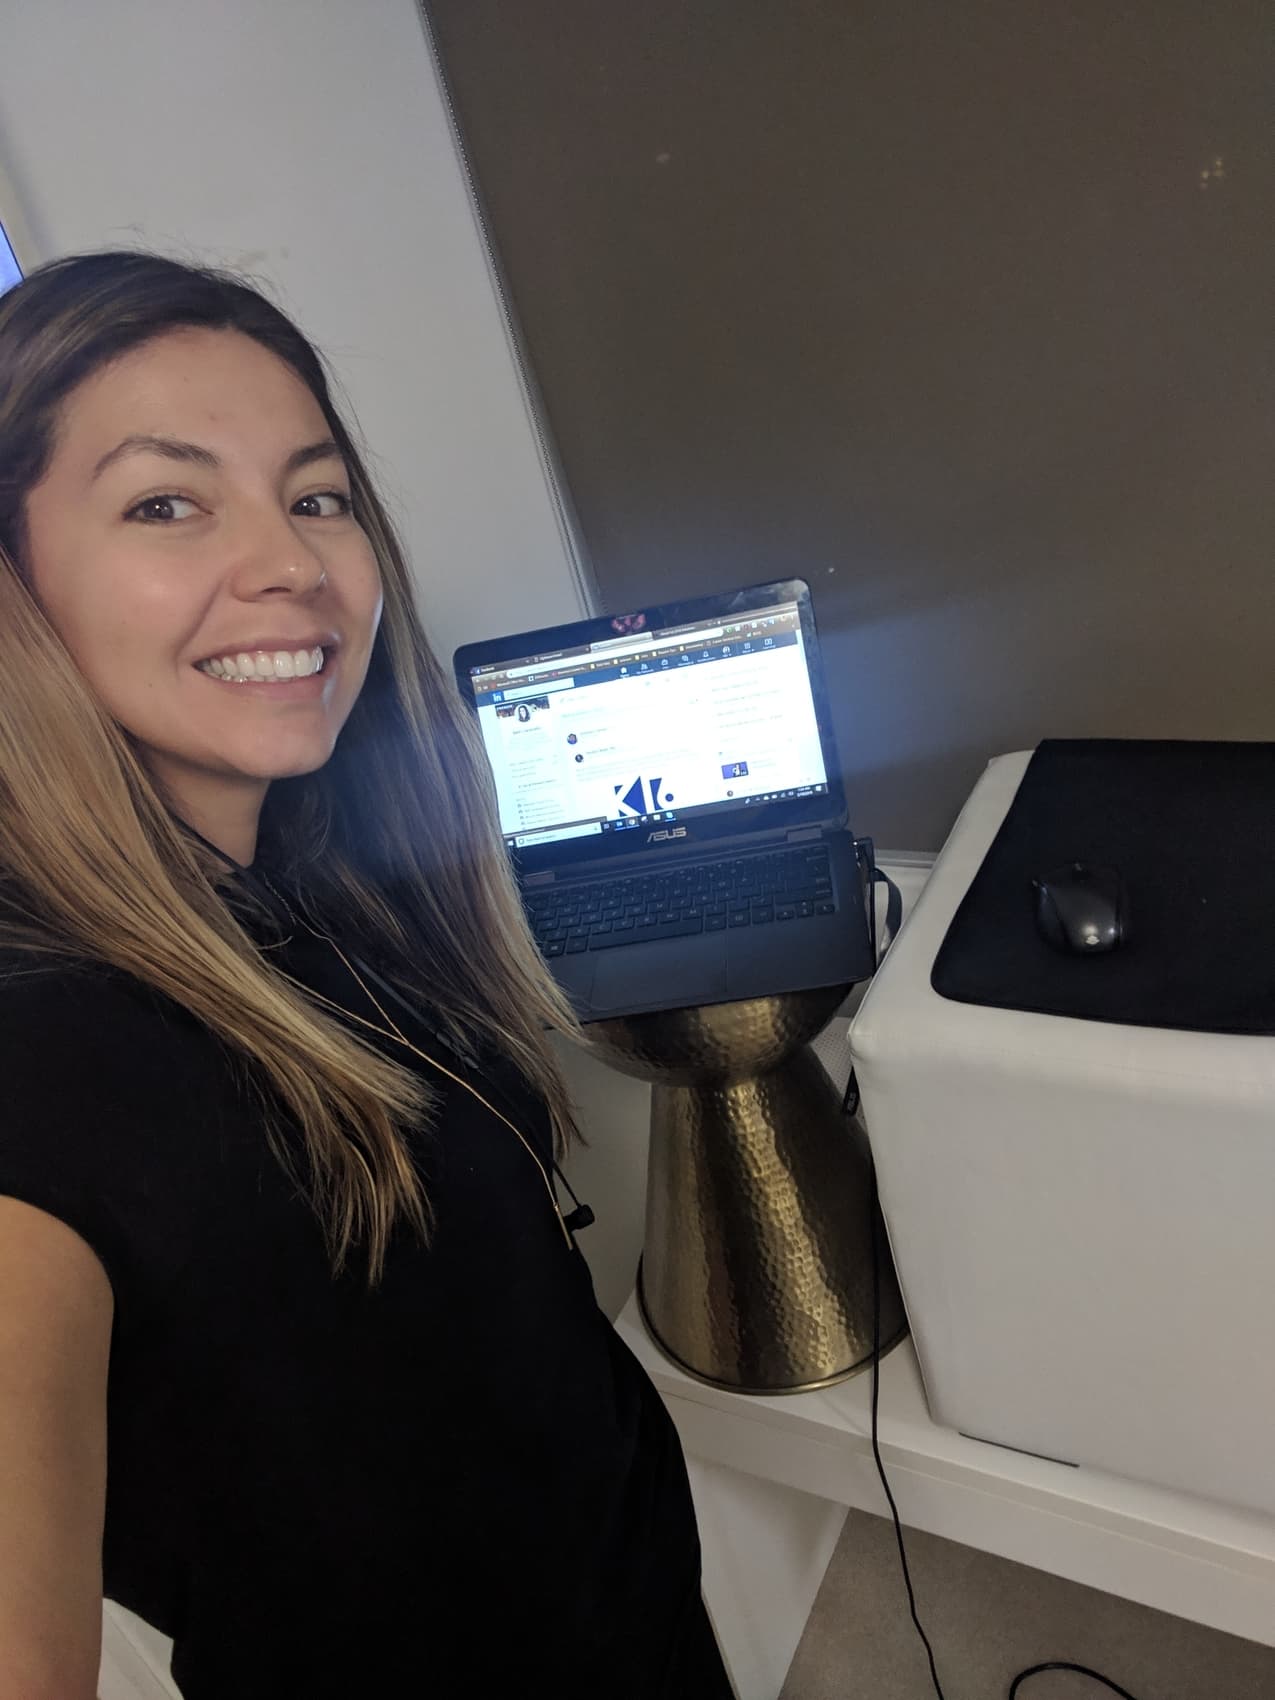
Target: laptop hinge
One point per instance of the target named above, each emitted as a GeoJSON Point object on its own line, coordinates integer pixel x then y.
{"type": "Point", "coordinates": [803, 834]}
{"type": "Point", "coordinates": [545, 877]}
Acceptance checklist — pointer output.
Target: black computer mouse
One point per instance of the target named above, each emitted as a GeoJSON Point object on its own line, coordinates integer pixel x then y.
{"type": "Point", "coordinates": [1082, 910]}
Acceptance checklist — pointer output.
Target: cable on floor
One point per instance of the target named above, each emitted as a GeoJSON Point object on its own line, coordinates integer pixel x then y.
{"type": "Point", "coordinates": [873, 876]}
{"type": "Point", "coordinates": [1033, 1670]}
{"type": "Point", "coordinates": [1063, 1664]}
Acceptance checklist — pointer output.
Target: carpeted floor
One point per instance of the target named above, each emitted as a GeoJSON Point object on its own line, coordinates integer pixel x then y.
{"type": "Point", "coordinates": [987, 1619]}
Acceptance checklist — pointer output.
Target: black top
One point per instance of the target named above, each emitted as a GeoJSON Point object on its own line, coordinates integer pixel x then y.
{"type": "Point", "coordinates": [461, 1482]}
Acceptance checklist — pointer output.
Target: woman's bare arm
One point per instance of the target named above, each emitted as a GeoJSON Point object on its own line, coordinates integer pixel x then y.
{"type": "Point", "coordinates": [56, 1308]}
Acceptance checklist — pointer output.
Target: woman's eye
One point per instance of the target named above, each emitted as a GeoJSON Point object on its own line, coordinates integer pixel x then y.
{"type": "Point", "coordinates": [160, 510]}
{"type": "Point", "coordinates": [324, 504]}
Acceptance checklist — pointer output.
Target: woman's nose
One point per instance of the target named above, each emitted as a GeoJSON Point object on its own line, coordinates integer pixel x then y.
{"type": "Point", "coordinates": [275, 555]}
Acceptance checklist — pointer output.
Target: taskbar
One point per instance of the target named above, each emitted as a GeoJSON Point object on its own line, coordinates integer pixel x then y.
{"type": "Point", "coordinates": [629, 823]}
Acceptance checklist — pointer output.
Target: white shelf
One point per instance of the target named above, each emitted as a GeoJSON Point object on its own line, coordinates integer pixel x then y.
{"type": "Point", "coordinates": [1212, 1563]}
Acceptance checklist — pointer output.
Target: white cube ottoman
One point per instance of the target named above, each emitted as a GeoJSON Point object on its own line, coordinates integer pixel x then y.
{"type": "Point", "coordinates": [1082, 1215]}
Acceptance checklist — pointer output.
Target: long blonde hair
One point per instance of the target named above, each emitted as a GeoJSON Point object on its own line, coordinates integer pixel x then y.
{"type": "Point", "coordinates": [399, 827]}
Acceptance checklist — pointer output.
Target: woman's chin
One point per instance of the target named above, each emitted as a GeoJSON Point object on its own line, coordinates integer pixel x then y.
{"type": "Point", "coordinates": [284, 757]}
{"type": "Point", "coordinates": [290, 760]}
{"type": "Point", "coordinates": [298, 767]}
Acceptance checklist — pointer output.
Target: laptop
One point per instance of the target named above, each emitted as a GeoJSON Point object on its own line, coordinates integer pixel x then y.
{"type": "Point", "coordinates": [670, 793]}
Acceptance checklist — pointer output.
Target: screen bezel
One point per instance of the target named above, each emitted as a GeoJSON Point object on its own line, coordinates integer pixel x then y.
{"type": "Point", "coordinates": [703, 830]}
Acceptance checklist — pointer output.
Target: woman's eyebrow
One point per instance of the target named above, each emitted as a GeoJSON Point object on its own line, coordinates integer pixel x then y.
{"type": "Point", "coordinates": [326, 449]}
{"type": "Point", "coordinates": [173, 448]}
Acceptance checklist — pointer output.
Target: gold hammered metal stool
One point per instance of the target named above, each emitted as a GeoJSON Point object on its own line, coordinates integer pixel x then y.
{"type": "Point", "coordinates": [756, 1270]}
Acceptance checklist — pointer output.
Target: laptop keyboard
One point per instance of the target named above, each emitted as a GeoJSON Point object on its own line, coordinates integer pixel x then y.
{"type": "Point", "coordinates": [704, 897]}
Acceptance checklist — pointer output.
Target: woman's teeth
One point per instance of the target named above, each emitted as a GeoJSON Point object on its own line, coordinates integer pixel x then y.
{"type": "Point", "coordinates": [265, 666]}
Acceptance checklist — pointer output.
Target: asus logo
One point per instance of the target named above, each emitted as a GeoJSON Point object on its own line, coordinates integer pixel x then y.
{"type": "Point", "coordinates": [666, 833]}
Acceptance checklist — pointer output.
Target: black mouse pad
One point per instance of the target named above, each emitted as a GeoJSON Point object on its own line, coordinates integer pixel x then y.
{"type": "Point", "coordinates": [1191, 828]}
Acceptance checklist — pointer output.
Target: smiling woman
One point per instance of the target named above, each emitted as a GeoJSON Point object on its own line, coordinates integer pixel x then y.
{"type": "Point", "coordinates": [228, 538]}
{"type": "Point", "coordinates": [267, 996]}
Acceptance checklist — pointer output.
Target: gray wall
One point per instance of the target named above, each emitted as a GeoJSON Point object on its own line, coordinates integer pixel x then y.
{"type": "Point", "coordinates": [932, 303]}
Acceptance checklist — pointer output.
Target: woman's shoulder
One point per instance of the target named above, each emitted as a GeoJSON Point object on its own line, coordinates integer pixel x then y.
{"type": "Point", "coordinates": [89, 1087]}
{"type": "Point", "coordinates": [98, 1071]}
{"type": "Point", "coordinates": [32, 980]}
{"type": "Point", "coordinates": [81, 1013]}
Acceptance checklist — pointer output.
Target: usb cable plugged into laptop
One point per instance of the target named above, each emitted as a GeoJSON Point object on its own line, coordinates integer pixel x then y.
{"type": "Point", "coordinates": [873, 876]}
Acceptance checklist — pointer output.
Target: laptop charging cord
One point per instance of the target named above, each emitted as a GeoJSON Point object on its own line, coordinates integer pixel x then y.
{"type": "Point", "coordinates": [872, 877]}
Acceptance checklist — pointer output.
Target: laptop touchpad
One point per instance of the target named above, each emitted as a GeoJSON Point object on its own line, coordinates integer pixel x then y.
{"type": "Point", "coordinates": [646, 976]}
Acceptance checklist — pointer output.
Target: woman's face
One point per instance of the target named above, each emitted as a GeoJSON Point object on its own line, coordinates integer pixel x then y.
{"type": "Point", "coordinates": [192, 544]}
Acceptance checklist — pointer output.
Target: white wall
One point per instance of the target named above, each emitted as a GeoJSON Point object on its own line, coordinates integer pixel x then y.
{"type": "Point", "coordinates": [306, 140]}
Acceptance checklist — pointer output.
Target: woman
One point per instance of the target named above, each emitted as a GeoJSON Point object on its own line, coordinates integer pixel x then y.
{"type": "Point", "coordinates": [298, 1358]}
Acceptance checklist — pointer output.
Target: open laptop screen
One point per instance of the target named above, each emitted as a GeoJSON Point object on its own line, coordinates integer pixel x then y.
{"type": "Point", "coordinates": [10, 270]}
{"type": "Point", "coordinates": [663, 725]}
